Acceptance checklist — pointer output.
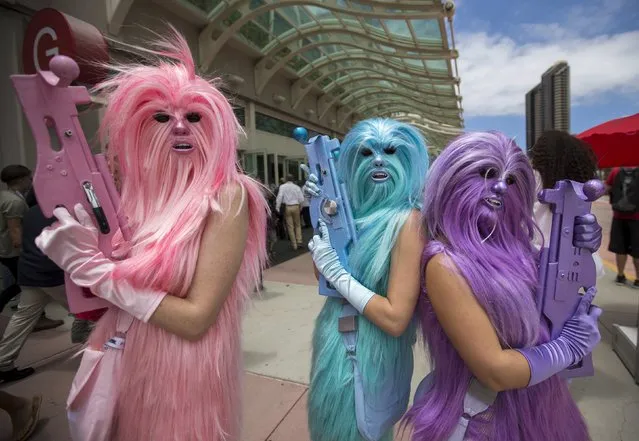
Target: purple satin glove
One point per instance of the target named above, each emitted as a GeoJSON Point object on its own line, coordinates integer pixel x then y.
{"type": "Point", "coordinates": [587, 233]}
{"type": "Point", "coordinates": [578, 338]}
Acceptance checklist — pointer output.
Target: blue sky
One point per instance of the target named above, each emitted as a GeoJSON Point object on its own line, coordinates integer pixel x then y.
{"type": "Point", "coordinates": [505, 46]}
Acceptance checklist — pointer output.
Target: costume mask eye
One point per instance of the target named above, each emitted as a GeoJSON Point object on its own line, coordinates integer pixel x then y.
{"type": "Point", "coordinates": [510, 180]}
{"type": "Point", "coordinates": [390, 150]}
{"type": "Point", "coordinates": [193, 117]}
{"type": "Point", "coordinates": [366, 151]}
{"type": "Point", "coordinates": [488, 173]}
{"type": "Point", "coordinates": [161, 117]}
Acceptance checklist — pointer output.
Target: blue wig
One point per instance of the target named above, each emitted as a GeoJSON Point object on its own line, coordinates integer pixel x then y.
{"type": "Point", "coordinates": [383, 164]}
{"type": "Point", "coordinates": [380, 208]}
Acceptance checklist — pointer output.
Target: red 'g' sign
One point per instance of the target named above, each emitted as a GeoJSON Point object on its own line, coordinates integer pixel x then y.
{"type": "Point", "coordinates": [51, 33]}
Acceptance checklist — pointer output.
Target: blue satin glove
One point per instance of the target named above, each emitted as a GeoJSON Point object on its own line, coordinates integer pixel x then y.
{"type": "Point", "coordinates": [587, 233]}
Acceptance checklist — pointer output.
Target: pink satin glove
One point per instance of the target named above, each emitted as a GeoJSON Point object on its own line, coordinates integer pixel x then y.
{"type": "Point", "coordinates": [68, 242]}
{"type": "Point", "coordinates": [73, 246]}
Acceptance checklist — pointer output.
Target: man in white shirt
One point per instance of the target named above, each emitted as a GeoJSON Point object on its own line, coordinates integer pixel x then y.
{"type": "Point", "coordinates": [290, 194]}
{"type": "Point", "coordinates": [306, 209]}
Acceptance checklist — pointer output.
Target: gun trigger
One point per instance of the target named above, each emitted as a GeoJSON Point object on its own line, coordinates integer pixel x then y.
{"type": "Point", "coordinates": [103, 223]}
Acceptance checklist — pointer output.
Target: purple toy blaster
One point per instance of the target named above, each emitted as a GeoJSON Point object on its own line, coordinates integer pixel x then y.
{"type": "Point", "coordinates": [71, 174]}
{"type": "Point", "coordinates": [333, 205]}
{"type": "Point", "coordinates": [565, 269]}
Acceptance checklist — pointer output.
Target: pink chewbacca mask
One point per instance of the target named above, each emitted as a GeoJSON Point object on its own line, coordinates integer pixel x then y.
{"type": "Point", "coordinates": [174, 137]}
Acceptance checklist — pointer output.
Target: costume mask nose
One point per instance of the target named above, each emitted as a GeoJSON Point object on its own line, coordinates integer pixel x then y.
{"type": "Point", "coordinates": [180, 129]}
{"type": "Point", "coordinates": [500, 187]}
{"type": "Point", "coordinates": [378, 162]}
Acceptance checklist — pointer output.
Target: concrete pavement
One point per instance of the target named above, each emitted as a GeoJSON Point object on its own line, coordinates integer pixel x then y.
{"type": "Point", "coordinates": [277, 334]}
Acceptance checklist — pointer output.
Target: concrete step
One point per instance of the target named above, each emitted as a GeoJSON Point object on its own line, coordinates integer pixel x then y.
{"type": "Point", "coordinates": [624, 343]}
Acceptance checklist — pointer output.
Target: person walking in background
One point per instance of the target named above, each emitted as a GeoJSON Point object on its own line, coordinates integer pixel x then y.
{"type": "Point", "coordinates": [290, 197]}
{"type": "Point", "coordinates": [306, 209]}
{"type": "Point", "coordinates": [281, 227]}
{"type": "Point", "coordinates": [13, 207]}
{"type": "Point", "coordinates": [623, 187]}
{"type": "Point", "coordinates": [272, 223]}
{"type": "Point", "coordinates": [40, 281]}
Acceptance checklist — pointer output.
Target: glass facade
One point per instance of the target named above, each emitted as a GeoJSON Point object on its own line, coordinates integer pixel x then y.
{"type": "Point", "coordinates": [274, 125]}
{"type": "Point", "coordinates": [278, 126]}
{"type": "Point", "coordinates": [240, 114]}
{"type": "Point", "coordinates": [345, 47]}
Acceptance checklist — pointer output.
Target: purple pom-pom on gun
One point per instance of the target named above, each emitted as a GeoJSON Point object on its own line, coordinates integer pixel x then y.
{"type": "Point", "coordinates": [566, 271]}
{"type": "Point", "coordinates": [67, 173]}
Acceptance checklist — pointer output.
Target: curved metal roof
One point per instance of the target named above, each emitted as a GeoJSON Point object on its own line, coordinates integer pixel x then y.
{"type": "Point", "coordinates": [370, 57]}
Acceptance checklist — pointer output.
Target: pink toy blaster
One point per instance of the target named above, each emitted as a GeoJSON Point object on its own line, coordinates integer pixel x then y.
{"type": "Point", "coordinates": [72, 174]}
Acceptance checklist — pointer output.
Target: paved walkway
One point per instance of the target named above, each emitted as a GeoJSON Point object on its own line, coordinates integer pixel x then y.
{"type": "Point", "coordinates": [277, 334]}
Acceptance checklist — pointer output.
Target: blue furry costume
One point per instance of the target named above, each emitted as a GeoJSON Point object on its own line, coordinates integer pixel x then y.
{"type": "Point", "coordinates": [380, 208]}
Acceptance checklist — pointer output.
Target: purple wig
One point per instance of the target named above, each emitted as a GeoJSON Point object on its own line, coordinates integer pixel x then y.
{"type": "Point", "coordinates": [488, 236]}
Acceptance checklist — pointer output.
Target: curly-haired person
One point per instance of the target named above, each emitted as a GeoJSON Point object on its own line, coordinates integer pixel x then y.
{"type": "Point", "coordinates": [557, 156]}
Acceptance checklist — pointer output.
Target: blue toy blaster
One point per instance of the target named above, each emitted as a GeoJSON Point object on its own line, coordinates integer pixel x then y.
{"type": "Point", "coordinates": [332, 205]}
{"type": "Point", "coordinates": [565, 269]}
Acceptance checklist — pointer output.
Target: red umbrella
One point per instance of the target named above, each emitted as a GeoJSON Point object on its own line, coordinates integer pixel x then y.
{"type": "Point", "coordinates": [616, 142]}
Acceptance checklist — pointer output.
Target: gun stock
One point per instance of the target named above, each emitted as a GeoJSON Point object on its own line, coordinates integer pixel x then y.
{"type": "Point", "coordinates": [72, 174]}
{"type": "Point", "coordinates": [566, 271]}
{"type": "Point", "coordinates": [333, 205]}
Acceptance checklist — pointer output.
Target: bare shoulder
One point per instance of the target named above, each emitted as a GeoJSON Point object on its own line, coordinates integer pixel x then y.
{"type": "Point", "coordinates": [438, 263]}
{"type": "Point", "coordinates": [442, 275]}
{"type": "Point", "coordinates": [233, 198]}
{"type": "Point", "coordinates": [412, 233]}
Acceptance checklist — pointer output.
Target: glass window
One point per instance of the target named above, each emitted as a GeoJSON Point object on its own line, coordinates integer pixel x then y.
{"type": "Point", "coordinates": [293, 168]}
{"type": "Point", "coordinates": [205, 5]}
{"type": "Point", "coordinates": [274, 125]}
{"type": "Point", "coordinates": [280, 167]}
{"type": "Point", "coordinates": [270, 161]}
{"type": "Point", "coordinates": [240, 114]}
{"type": "Point", "coordinates": [296, 14]}
{"type": "Point", "coordinates": [427, 30]}
{"type": "Point", "coordinates": [297, 63]}
{"type": "Point", "coordinates": [277, 126]}
{"type": "Point", "coordinates": [260, 167]}
{"type": "Point", "coordinates": [280, 25]}
{"type": "Point", "coordinates": [434, 65]}
{"type": "Point", "coordinates": [398, 27]}
{"type": "Point", "coordinates": [255, 34]}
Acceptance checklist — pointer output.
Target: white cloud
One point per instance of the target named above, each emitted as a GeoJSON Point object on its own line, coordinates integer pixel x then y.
{"type": "Point", "coordinates": [497, 71]}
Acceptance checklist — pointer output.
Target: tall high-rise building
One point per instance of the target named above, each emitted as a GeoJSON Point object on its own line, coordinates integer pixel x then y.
{"type": "Point", "coordinates": [548, 103]}
{"type": "Point", "coordinates": [533, 115]}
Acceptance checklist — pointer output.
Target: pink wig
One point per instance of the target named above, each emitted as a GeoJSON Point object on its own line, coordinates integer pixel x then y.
{"type": "Point", "coordinates": [167, 195]}
{"type": "Point", "coordinates": [172, 388]}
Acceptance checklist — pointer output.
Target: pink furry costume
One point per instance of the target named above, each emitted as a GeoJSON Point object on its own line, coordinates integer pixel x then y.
{"type": "Point", "coordinates": [174, 138]}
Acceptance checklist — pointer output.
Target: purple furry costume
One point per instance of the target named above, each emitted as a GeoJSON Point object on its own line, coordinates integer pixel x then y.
{"type": "Point", "coordinates": [492, 249]}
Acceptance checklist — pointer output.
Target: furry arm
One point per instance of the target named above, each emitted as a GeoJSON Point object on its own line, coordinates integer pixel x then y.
{"type": "Point", "coordinates": [394, 312]}
{"type": "Point", "coordinates": [472, 334]}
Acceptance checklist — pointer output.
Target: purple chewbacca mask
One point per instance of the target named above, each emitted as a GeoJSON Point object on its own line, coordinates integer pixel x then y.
{"type": "Point", "coordinates": [478, 211]}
